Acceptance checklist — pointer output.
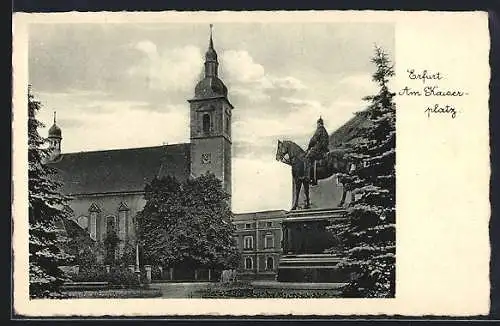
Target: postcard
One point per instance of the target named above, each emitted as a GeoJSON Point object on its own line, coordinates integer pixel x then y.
{"type": "Point", "coordinates": [251, 163]}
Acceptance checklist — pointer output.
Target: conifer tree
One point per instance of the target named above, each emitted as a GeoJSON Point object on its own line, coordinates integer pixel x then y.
{"type": "Point", "coordinates": [47, 208]}
{"type": "Point", "coordinates": [369, 237]}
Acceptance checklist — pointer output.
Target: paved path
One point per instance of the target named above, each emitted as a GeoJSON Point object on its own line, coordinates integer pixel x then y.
{"type": "Point", "coordinates": [180, 290]}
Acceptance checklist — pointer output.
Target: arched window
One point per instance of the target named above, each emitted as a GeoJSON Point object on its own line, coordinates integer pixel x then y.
{"type": "Point", "coordinates": [111, 224]}
{"type": "Point", "coordinates": [206, 123]}
{"type": "Point", "coordinates": [269, 263]}
{"type": "Point", "coordinates": [83, 221]}
{"type": "Point", "coordinates": [248, 263]}
{"type": "Point", "coordinates": [94, 211]}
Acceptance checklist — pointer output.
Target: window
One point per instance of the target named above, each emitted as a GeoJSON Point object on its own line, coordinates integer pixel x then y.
{"type": "Point", "coordinates": [270, 263]}
{"type": "Point", "coordinates": [269, 241]}
{"type": "Point", "coordinates": [93, 225]}
{"type": "Point", "coordinates": [248, 226]}
{"type": "Point", "coordinates": [236, 242]}
{"type": "Point", "coordinates": [248, 263]}
{"type": "Point", "coordinates": [228, 125]}
{"type": "Point", "coordinates": [248, 242]}
{"type": "Point", "coordinates": [83, 221]}
{"type": "Point", "coordinates": [206, 123]}
{"type": "Point", "coordinates": [269, 224]}
{"type": "Point", "coordinates": [110, 224]}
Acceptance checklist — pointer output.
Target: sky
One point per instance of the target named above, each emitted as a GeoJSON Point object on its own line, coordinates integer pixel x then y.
{"type": "Point", "coordinates": [127, 85]}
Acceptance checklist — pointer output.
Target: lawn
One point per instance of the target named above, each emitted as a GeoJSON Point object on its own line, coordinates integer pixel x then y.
{"type": "Point", "coordinates": [113, 293]}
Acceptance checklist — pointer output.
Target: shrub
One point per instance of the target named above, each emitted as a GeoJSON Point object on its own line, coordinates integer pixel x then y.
{"type": "Point", "coordinates": [122, 276]}
{"type": "Point", "coordinates": [156, 273]}
{"type": "Point", "coordinates": [91, 274]}
{"type": "Point", "coordinates": [128, 256]}
{"type": "Point", "coordinates": [116, 276]}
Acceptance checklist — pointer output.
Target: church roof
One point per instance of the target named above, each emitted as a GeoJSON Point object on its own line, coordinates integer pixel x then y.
{"type": "Point", "coordinates": [121, 170]}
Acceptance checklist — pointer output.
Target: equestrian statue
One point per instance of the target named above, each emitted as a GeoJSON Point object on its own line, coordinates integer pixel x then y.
{"type": "Point", "coordinates": [317, 163]}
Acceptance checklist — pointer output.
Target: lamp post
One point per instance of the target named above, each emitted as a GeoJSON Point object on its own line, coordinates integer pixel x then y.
{"type": "Point", "coordinates": [137, 268]}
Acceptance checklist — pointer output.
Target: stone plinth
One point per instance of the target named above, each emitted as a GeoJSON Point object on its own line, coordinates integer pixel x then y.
{"type": "Point", "coordinates": [326, 194]}
{"type": "Point", "coordinates": [305, 239]}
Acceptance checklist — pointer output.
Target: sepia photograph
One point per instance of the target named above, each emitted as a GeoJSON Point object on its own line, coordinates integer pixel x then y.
{"type": "Point", "coordinates": [231, 160]}
{"type": "Point", "coordinates": [244, 164]}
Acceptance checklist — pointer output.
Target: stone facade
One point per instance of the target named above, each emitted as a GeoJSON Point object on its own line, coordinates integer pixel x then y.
{"type": "Point", "coordinates": [258, 237]}
{"type": "Point", "coordinates": [98, 213]}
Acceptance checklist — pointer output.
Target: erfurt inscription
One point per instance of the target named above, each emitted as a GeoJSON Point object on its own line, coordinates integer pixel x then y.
{"type": "Point", "coordinates": [425, 83]}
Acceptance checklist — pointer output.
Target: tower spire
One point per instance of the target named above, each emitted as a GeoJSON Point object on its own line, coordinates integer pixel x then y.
{"type": "Point", "coordinates": [55, 137]}
{"type": "Point", "coordinates": [211, 41]}
{"type": "Point", "coordinates": [211, 62]}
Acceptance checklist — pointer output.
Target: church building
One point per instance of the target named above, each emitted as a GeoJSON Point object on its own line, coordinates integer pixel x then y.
{"type": "Point", "coordinates": [106, 187]}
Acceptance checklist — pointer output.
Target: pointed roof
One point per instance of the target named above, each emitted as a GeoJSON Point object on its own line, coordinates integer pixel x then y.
{"type": "Point", "coordinates": [120, 170]}
{"type": "Point", "coordinates": [210, 86]}
{"type": "Point", "coordinates": [211, 55]}
{"type": "Point", "coordinates": [123, 207]}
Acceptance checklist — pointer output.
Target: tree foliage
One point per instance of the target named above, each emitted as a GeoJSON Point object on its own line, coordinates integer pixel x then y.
{"type": "Point", "coordinates": [369, 236]}
{"type": "Point", "coordinates": [47, 208]}
{"type": "Point", "coordinates": [187, 224]}
{"type": "Point", "coordinates": [111, 245]}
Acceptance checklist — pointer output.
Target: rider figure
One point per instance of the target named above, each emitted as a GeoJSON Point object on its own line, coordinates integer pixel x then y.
{"type": "Point", "coordinates": [318, 147]}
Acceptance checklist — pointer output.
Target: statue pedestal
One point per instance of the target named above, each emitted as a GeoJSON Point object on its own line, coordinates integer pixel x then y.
{"type": "Point", "coordinates": [326, 194]}
{"type": "Point", "coordinates": [305, 239]}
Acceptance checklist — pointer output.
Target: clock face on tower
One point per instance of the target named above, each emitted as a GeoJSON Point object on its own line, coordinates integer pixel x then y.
{"type": "Point", "coordinates": [206, 158]}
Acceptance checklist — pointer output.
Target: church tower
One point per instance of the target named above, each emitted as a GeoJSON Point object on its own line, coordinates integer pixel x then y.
{"type": "Point", "coordinates": [211, 123]}
{"type": "Point", "coordinates": [55, 138]}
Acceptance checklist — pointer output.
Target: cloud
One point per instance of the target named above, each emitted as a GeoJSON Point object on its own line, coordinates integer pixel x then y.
{"type": "Point", "coordinates": [91, 123]}
{"type": "Point", "coordinates": [356, 84]}
{"type": "Point", "coordinates": [240, 67]}
{"type": "Point", "coordinates": [147, 47]}
{"type": "Point", "coordinates": [175, 69]}
{"type": "Point", "coordinates": [249, 94]}
{"type": "Point", "coordinates": [261, 185]}
{"type": "Point", "coordinates": [289, 83]}
{"type": "Point", "coordinates": [250, 79]}
{"type": "Point", "coordinates": [301, 103]}
{"type": "Point", "coordinates": [126, 129]}
{"type": "Point", "coordinates": [70, 123]}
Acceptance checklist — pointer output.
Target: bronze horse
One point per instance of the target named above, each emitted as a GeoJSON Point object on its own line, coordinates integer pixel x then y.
{"type": "Point", "coordinates": [292, 154]}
